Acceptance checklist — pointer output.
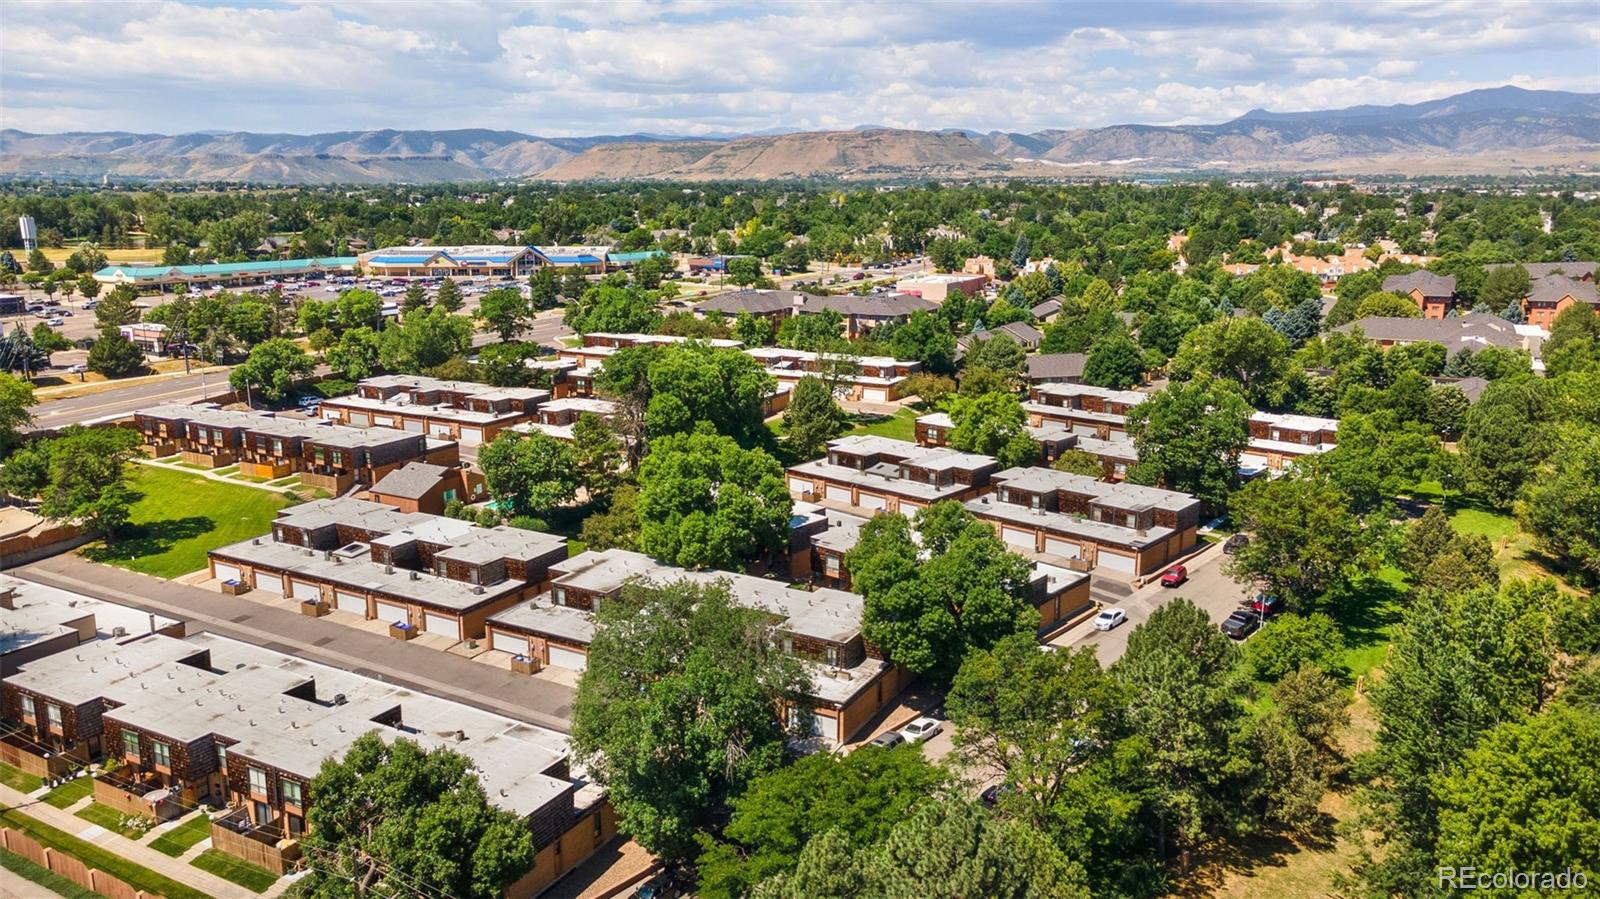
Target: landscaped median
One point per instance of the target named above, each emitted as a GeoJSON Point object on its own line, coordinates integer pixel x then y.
{"type": "Point", "coordinates": [136, 876]}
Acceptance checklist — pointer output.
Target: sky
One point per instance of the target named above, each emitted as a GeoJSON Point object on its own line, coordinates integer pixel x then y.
{"type": "Point", "coordinates": [690, 67]}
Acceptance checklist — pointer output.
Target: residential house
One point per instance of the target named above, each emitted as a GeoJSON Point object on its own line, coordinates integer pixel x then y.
{"type": "Point", "coordinates": [1276, 441]}
{"type": "Point", "coordinates": [1115, 454]}
{"type": "Point", "coordinates": [859, 313]}
{"type": "Point", "coordinates": [557, 417]}
{"type": "Point", "coordinates": [1020, 333]}
{"type": "Point", "coordinates": [1083, 408]}
{"type": "Point", "coordinates": [1056, 368]}
{"type": "Point", "coordinates": [1552, 294]}
{"type": "Point", "coordinates": [881, 474]}
{"type": "Point", "coordinates": [434, 575]}
{"type": "Point", "coordinates": [427, 488]}
{"type": "Point", "coordinates": [1090, 524]}
{"type": "Point", "coordinates": [208, 718]}
{"type": "Point", "coordinates": [1048, 310]}
{"type": "Point", "coordinates": [1474, 331]}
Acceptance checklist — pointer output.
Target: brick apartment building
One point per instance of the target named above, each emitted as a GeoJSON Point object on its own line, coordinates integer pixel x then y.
{"type": "Point", "coordinates": [464, 411]}
{"type": "Point", "coordinates": [881, 474]}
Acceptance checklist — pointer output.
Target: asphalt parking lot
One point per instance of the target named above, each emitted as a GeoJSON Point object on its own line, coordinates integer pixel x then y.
{"type": "Point", "coordinates": [1208, 587]}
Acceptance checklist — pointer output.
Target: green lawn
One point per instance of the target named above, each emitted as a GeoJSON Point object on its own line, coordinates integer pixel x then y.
{"type": "Point", "coordinates": [1367, 618]}
{"type": "Point", "coordinates": [179, 518]}
{"type": "Point", "coordinates": [17, 779]}
{"type": "Point", "coordinates": [137, 876]}
{"type": "Point", "coordinates": [44, 877]}
{"type": "Point", "coordinates": [251, 877]}
{"type": "Point", "coordinates": [111, 819]}
{"type": "Point", "coordinates": [901, 426]}
{"type": "Point", "coordinates": [178, 840]}
{"type": "Point", "coordinates": [1481, 521]}
{"type": "Point", "coordinates": [69, 792]}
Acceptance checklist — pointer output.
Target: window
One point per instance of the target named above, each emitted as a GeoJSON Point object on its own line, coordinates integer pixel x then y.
{"type": "Point", "coordinates": [52, 714]}
{"type": "Point", "coordinates": [450, 496]}
{"type": "Point", "coordinates": [162, 753]}
{"type": "Point", "coordinates": [130, 743]}
{"type": "Point", "coordinates": [277, 447]}
{"type": "Point", "coordinates": [27, 706]}
{"type": "Point", "coordinates": [297, 824]}
{"type": "Point", "coordinates": [291, 793]}
{"type": "Point", "coordinates": [561, 596]}
{"type": "Point", "coordinates": [222, 758]}
{"type": "Point", "coordinates": [258, 781]}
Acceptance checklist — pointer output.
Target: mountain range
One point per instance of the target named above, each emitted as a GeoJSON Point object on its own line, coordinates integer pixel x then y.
{"type": "Point", "coordinates": [1489, 131]}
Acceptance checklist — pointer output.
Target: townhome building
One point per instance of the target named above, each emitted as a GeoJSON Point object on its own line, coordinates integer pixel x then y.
{"type": "Point", "coordinates": [264, 445]}
{"type": "Point", "coordinates": [1276, 441]}
{"type": "Point", "coordinates": [464, 411]}
{"type": "Point", "coordinates": [244, 729]}
{"type": "Point", "coordinates": [881, 474]}
{"type": "Point", "coordinates": [1116, 453]}
{"type": "Point", "coordinates": [850, 679]}
{"type": "Point", "coordinates": [1082, 408]}
{"type": "Point", "coordinates": [868, 379]}
{"type": "Point", "coordinates": [859, 313]}
{"type": "Point", "coordinates": [1060, 594]}
{"type": "Point", "coordinates": [422, 487]}
{"type": "Point", "coordinates": [1435, 295]}
{"type": "Point", "coordinates": [1121, 528]}
{"type": "Point", "coordinates": [1474, 331]}
{"type": "Point", "coordinates": [425, 573]}
{"type": "Point", "coordinates": [557, 417]}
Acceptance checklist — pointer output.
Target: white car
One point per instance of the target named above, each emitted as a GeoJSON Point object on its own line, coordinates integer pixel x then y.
{"type": "Point", "coordinates": [920, 729]}
{"type": "Point", "coordinates": [1109, 618]}
{"type": "Point", "coordinates": [55, 322]}
{"type": "Point", "coordinates": [78, 369]}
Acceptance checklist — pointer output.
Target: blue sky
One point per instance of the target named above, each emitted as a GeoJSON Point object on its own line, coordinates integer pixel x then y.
{"type": "Point", "coordinates": [692, 67]}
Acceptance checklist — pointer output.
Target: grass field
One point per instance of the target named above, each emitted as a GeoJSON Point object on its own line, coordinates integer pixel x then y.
{"type": "Point", "coordinates": [901, 426]}
{"type": "Point", "coordinates": [251, 877]}
{"type": "Point", "coordinates": [44, 877]}
{"type": "Point", "coordinates": [110, 819]}
{"type": "Point", "coordinates": [179, 518]}
{"type": "Point", "coordinates": [58, 255]}
{"type": "Point", "coordinates": [178, 840]}
{"type": "Point", "coordinates": [69, 792]}
{"type": "Point", "coordinates": [137, 876]}
{"type": "Point", "coordinates": [17, 779]}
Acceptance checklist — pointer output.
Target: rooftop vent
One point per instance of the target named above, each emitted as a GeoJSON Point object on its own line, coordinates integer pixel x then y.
{"type": "Point", "coordinates": [339, 699]}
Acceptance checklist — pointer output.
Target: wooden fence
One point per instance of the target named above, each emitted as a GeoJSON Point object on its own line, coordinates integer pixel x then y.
{"type": "Point", "coordinates": [64, 865]}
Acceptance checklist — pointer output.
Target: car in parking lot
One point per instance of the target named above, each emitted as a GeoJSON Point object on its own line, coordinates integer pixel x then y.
{"type": "Point", "coordinates": [78, 369]}
{"type": "Point", "coordinates": [920, 729]}
{"type": "Point", "coordinates": [887, 740]}
{"type": "Point", "coordinates": [1109, 618]}
{"type": "Point", "coordinates": [1262, 604]}
{"type": "Point", "coordinates": [991, 796]}
{"type": "Point", "coordinates": [55, 322]}
{"type": "Point", "coordinates": [1241, 624]}
{"type": "Point", "coordinates": [1174, 576]}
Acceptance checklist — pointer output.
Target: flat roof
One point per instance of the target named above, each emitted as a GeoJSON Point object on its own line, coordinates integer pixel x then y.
{"type": "Point", "coordinates": [241, 696]}
{"type": "Point", "coordinates": [989, 507]}
{"type": "Point", "coordinates": [319, 430]}
{"type": "Point", "coordinates": [1121, 495]}
{"type": "Point", "coordinates": [40, 612]}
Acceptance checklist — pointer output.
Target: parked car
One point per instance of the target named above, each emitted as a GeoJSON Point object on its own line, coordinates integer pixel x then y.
{"type": "Point", "coordinates": [1235, 543]}
{"type": "Point", "coordinates": [55, 321]}
{"type": "Point", "coordinates": [1175, 575]}
{"type": "Point", "coordinates": [991, 796]}
{"type": "Point", "coordinates": [887, 740]}
{"type": "Point", "coordinates": [1109, 618]}
{"type": "Point", "coordinates": [920, 729]}
{"type": "Point", "coordinates": [78, 369]}
{"type": "Point", "coordinates": [1241, 624]}
{"type": "Point", "coordinates": [90, 304]}
{"type": "Point", "coordinates": [1262, 604]}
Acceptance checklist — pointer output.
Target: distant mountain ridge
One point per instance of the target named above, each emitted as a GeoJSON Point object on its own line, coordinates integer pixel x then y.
{"type": "Point", "coordinates": [1480, 131]}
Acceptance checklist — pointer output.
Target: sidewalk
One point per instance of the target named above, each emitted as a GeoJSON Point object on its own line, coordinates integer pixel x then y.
{"type": "Point", "coordinates": [176, 869]}
{"type": "Point", "coordinates": [210, 474]}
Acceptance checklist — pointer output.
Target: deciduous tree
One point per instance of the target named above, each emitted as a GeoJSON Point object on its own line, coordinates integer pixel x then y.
{"type": "Point", "coordinates": [706, 502]}
{"type": "Point", "coordinates": [529, 474]}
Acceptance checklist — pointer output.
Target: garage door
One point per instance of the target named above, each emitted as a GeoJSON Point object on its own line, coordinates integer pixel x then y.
{"type": "Point", "coordinates": [388, 611]}
{"type": "Point", "coordinates": [567, 658]}
{"type": "Point", "coordinates": [472, 436]}
{"type": "Point", "coordinates": [798, 486]}
{"type": "Point", "coordinates": [512, 643]}
{"type": "Point", "coordinates": [227, 572]}
{"type": "Point", "coordinates": [875, 395]}
{"type": "Point", "coordinates": [1058, 547]}
{"type": "Point", "coordinates": [269, 583]}
{"type": "Point", "coordinates": [868, 501]}
{"type": "Point", "coordinates": [441, 624]}
{"type": "Point", "coordinates": [350, 602]}
{"type": "Point", "coordinates": [1116, 562]}
{"type": "Point", "coordinates": [303, 590]}
{"type": "Point", "coordinates": [414, 425]}
{"type": "Point", "coordinates": [826, 727]}
{"type": "Point", "coordinates": [361, 419]}
{"type": "Point", "coordinates": [839, 494]}
{"type": "Point", "coordinates": [439, 430]}
{"type": "Point", "coordinates": [1018, 538]}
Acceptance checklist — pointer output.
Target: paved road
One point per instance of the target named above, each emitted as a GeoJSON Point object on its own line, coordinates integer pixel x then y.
{"type": "Point", "coordinates": [1207, 587]}
{"type": "Point", "coordinates": [433, 671]}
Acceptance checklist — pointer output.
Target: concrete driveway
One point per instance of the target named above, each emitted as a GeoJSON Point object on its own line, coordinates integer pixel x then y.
{"type": "Point", "coordinates": [1207, 588]}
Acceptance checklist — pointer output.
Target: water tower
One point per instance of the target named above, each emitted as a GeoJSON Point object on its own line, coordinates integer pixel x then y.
{"type": "Point", "coordinates": [30, 232]}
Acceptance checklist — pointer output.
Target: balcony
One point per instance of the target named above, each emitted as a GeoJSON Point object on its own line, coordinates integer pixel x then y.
{"type": "Point", "coordinates": [260, 844]}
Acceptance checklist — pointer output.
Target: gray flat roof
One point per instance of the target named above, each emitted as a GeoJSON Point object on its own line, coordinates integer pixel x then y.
{"type": "Point", "coordinates": [1064, 523]}
{"type": "Point", "coordinates": [321, 431]}
{"type": "Point", "coordinates": [1121, 495]}
{"type": "Point", "coordinates": [241, 697]}
{"type": "Point", "coordinates": [40, 612]}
